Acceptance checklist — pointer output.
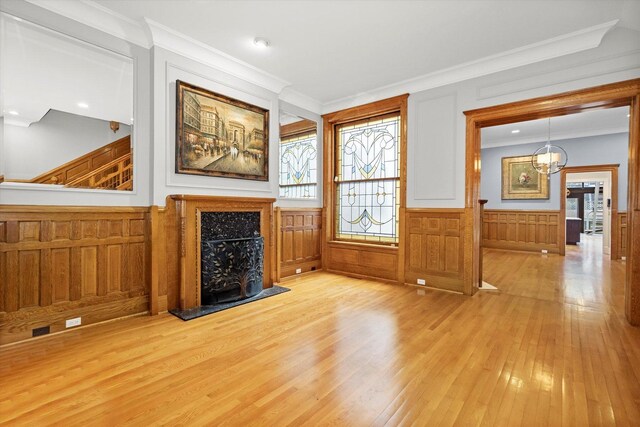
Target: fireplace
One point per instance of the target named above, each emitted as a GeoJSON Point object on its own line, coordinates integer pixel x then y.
{"type": "Point", "coordinates": [232, 255]}
{"type": "Point", "coordinates": [213, 229]}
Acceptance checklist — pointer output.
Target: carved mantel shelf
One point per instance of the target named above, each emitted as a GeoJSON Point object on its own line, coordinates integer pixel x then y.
{"type": "Point", "coordinates": [188, 209]}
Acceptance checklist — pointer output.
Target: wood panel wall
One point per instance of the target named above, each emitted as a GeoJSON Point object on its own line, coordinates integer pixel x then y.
{"type": "Point", "coordinates": [435, 247]}
{"type": "Point", "coordinates": [621, 230]}
{"type": "Point", "coordinates": [299, 244]}
{"type": "Point", "coordinates": [521, 230]}
{"type": "Point", "coordinates": [58, 263]}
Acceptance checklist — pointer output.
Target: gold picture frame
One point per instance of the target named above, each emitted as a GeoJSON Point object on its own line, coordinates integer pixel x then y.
{"type": "Point", "coordinates": [521, 181]}
{"type": "Point", "coordinates": [220, 136]}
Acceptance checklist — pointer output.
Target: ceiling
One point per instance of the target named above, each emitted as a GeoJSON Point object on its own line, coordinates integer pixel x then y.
{"type": "Point", "coordinates": [329, 49]}
{"type": "Point", "coordinates": [43, 69]}
{"type": "Point", "coordinates": [591, 123]}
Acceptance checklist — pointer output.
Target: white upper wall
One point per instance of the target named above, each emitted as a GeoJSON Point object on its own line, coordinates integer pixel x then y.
{"type": "Point", "coordinates": [437, 124]}
{"type": "Point", "coordinates": [436, 139]}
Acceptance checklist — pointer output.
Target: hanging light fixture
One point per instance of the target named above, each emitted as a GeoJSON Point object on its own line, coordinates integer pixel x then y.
{"type": "Point", "coordinates": [549, 159]}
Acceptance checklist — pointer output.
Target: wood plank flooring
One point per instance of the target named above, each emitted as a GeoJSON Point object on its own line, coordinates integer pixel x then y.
{"type": "Point", "coordinates": [550, 348]}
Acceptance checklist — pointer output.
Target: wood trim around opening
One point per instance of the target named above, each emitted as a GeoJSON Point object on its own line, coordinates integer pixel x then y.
{"type": "Point", "coordinates": [396, 104]}
{"type": "Point", "coordinates": [562, 230]}
{"type": "Point", "coordinates": [625, 93]}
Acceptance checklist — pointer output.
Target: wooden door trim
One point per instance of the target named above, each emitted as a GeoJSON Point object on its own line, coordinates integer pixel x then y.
{"type": "Point", "coordinates": [625, 93]}
{"type": "Point", "coordinates": [562, 229]}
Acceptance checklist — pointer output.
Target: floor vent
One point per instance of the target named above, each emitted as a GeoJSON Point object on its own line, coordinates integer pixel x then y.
{"type": "Point", "coordinates": [36, 332]}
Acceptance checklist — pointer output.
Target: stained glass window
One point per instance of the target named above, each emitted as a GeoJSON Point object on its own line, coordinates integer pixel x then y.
{"type": "Point", "coordinates": [368, 180]}
{"type": "Point", "coordinates": [298, 166]}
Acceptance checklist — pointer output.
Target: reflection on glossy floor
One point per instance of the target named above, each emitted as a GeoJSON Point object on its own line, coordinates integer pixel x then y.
{"type": "Point", "coordinates": [584, 276]}
{"type": "Point", "coordinates": [551, 348]}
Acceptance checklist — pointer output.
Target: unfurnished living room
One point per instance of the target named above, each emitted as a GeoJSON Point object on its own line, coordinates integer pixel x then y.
{"type": "Point", "coordinates": [320, 212]}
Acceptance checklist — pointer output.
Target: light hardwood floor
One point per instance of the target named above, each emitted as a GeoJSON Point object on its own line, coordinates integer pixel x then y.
{"type": "Point", "coordinates": [551, 348]}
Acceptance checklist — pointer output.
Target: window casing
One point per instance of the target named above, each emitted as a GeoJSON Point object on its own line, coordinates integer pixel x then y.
{"type": "Point", "coordinates": [367, 179]}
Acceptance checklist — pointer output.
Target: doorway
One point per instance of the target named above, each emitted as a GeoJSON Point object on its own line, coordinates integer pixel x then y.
{"type": "Point", "coordinates": [620, 94]}
{"type": "Point", "coordinates": [589, 204]}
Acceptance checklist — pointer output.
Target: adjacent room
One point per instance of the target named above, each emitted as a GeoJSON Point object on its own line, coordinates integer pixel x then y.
{"type": "Point", "coordinates": [319, 212]}
{"type": "Point", "coordinates": [579, 211]}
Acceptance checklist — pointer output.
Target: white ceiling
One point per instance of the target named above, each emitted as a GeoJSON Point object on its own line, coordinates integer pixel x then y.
{"type": "Point", "coordinates": [43, 70]}
{"type": "Point", "coordinates": [590, 123]}
{"type": "Point", "coordinates": [333, 49]}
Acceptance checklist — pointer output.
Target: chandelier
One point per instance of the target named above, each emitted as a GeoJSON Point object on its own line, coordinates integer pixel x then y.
{"type": "Point", "coordinates": [549, 159]}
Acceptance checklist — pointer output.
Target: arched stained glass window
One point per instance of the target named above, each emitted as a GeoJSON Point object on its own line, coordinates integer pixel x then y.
{"type": "Point", "coordinates": [368, 179]}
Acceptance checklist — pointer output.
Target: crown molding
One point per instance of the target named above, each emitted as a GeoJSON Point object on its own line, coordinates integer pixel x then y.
{"type": "Point", "coordinates": [99, 17]}
{"type": "Point", "coordinates": [301, 100]}
{"type": "Point", "coordinates": [155, 34]}
{"type": "Point", "coordinates": [577, 41]}
{"type": "Point", "coordinates": [150, 33]}
{"type": "Point", "coordinates": [181, 44]}
{"type": "Point", "coordinates": [556, 138]}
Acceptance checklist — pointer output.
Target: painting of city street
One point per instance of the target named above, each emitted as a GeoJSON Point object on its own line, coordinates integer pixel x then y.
{"type": "Point", "coordinates": [220, 136]}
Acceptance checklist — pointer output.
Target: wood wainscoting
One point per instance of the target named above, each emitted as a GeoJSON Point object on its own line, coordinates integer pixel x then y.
{"type": "Point", "coordinates": [434, 248]}
{"type": "Point", "coordinates": [299, 244]}
{"type": "Point", "coordinates": [621, 231]}
{"type": "Point", "coordinates": [58, 263]}
{"type": "Point", "coordinates": [521, 230]}
{"type": "Point", "coordinates": [362, 260]}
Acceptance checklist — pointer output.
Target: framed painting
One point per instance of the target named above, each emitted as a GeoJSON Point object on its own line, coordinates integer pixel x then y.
{"type": "Point", "coordinates": [521, 181]}
{"type": "Point", "coordinates": [220, 136]}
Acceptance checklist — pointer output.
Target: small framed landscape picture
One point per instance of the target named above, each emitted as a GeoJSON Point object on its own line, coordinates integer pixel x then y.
{"type": "Point", "coordinates": [520, 180]}
{"type": "Point", "coordinates": [220, 136]}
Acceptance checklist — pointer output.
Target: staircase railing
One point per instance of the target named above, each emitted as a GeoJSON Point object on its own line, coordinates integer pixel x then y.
{"type": "Point", "coordinates": [115, 175]}
{"type": "Point", "coordinates": [83, 165]}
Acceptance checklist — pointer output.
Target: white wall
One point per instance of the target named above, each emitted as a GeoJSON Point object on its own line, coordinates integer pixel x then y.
{"type": "Point", "coordinates": [595, 150]}
{"type": "Point", "coordinates": [169, 67]}
{"type": "Point", "coordinates": [29, 194]}
{"type": "Point", "coordinates": [56, 139]}
{"type": "Point", "coordinates": [436, 134]}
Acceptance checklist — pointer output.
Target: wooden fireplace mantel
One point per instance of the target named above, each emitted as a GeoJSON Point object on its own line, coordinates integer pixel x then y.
{"type": "Point", "coordinates": [188, 209]}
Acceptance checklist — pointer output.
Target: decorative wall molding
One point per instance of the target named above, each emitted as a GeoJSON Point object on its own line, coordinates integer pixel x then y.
{"type": "Point", "coordinates": [577, 41]}
{"type": "Point", "coordinates": [301, 100]}
{"type": "Point", "coordinates": [181, 44]}
{"type": "Point", "coordinates": [151, 33]}
{"type": "Point", "coordinates": [94, 15]}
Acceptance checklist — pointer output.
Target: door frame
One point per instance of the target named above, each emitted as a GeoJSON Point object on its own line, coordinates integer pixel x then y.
{"type": "Point", "coordinates": [621, 94]}
{"type": "Point", "coordinates": [562, 229]}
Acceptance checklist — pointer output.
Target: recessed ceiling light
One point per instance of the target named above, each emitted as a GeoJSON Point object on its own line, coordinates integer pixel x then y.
{"type": "Point", "coordinates": [629, 115]}
{"type": "Point", "coordinates": [83, 105]}
{"type": "Point", "coordinates": [260, 42]}
{"type": "Point", "coordinates": [13, 113]}
{"type": "Point", "coordinates": [515, 131]}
